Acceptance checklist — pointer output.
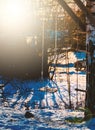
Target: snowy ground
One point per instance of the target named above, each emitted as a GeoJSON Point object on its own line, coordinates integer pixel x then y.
{"type": "Point", "coordinates": [47, 105]}
{"type": "Point", "coordinates": [13, 119]}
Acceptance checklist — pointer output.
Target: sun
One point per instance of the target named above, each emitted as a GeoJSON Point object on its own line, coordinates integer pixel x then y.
{"type": "Point", "coordinates": [12, 13]}
{"type": "Point", "coordinates": [14, 9]}
{"type": "Point", "coordinates": [18, 17]}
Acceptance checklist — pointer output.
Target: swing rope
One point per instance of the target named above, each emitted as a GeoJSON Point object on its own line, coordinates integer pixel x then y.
{"type": "Point", "coordinates": [55, 49]}
{"type": "Point", "coordinates": [77, 73]}
{"type": "Point", "coordinates": [43, 40]}
{"type": "Point", "coordinates": [68, 78]}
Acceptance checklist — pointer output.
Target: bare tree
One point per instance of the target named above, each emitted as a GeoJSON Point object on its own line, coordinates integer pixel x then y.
{"type": "Point", "coordinates": [90, 44]}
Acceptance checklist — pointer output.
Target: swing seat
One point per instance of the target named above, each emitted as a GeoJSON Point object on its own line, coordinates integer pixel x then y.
{"type": "Point", "coordinates": [48, 89]}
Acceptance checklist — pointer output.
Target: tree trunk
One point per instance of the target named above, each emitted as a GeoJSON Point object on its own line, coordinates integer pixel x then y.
{"type": "Point", "coordinates": [90, 78]}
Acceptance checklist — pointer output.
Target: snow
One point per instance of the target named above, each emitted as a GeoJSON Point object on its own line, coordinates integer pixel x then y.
{"type": "Point", "coordinates": [50, 108]}
{"type": "Point", "coordinates": [13, 119]}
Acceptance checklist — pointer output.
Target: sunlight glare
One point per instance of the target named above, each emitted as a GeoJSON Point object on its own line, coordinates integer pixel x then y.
{"type": "Point", "coordinates": [14, 9]}
{"type": "Point", "coordinates": [13, 13]}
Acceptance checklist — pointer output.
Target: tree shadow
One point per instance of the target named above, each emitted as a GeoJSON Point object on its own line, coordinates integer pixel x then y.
{"type": "Point", "coordinates": [27, 94]}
